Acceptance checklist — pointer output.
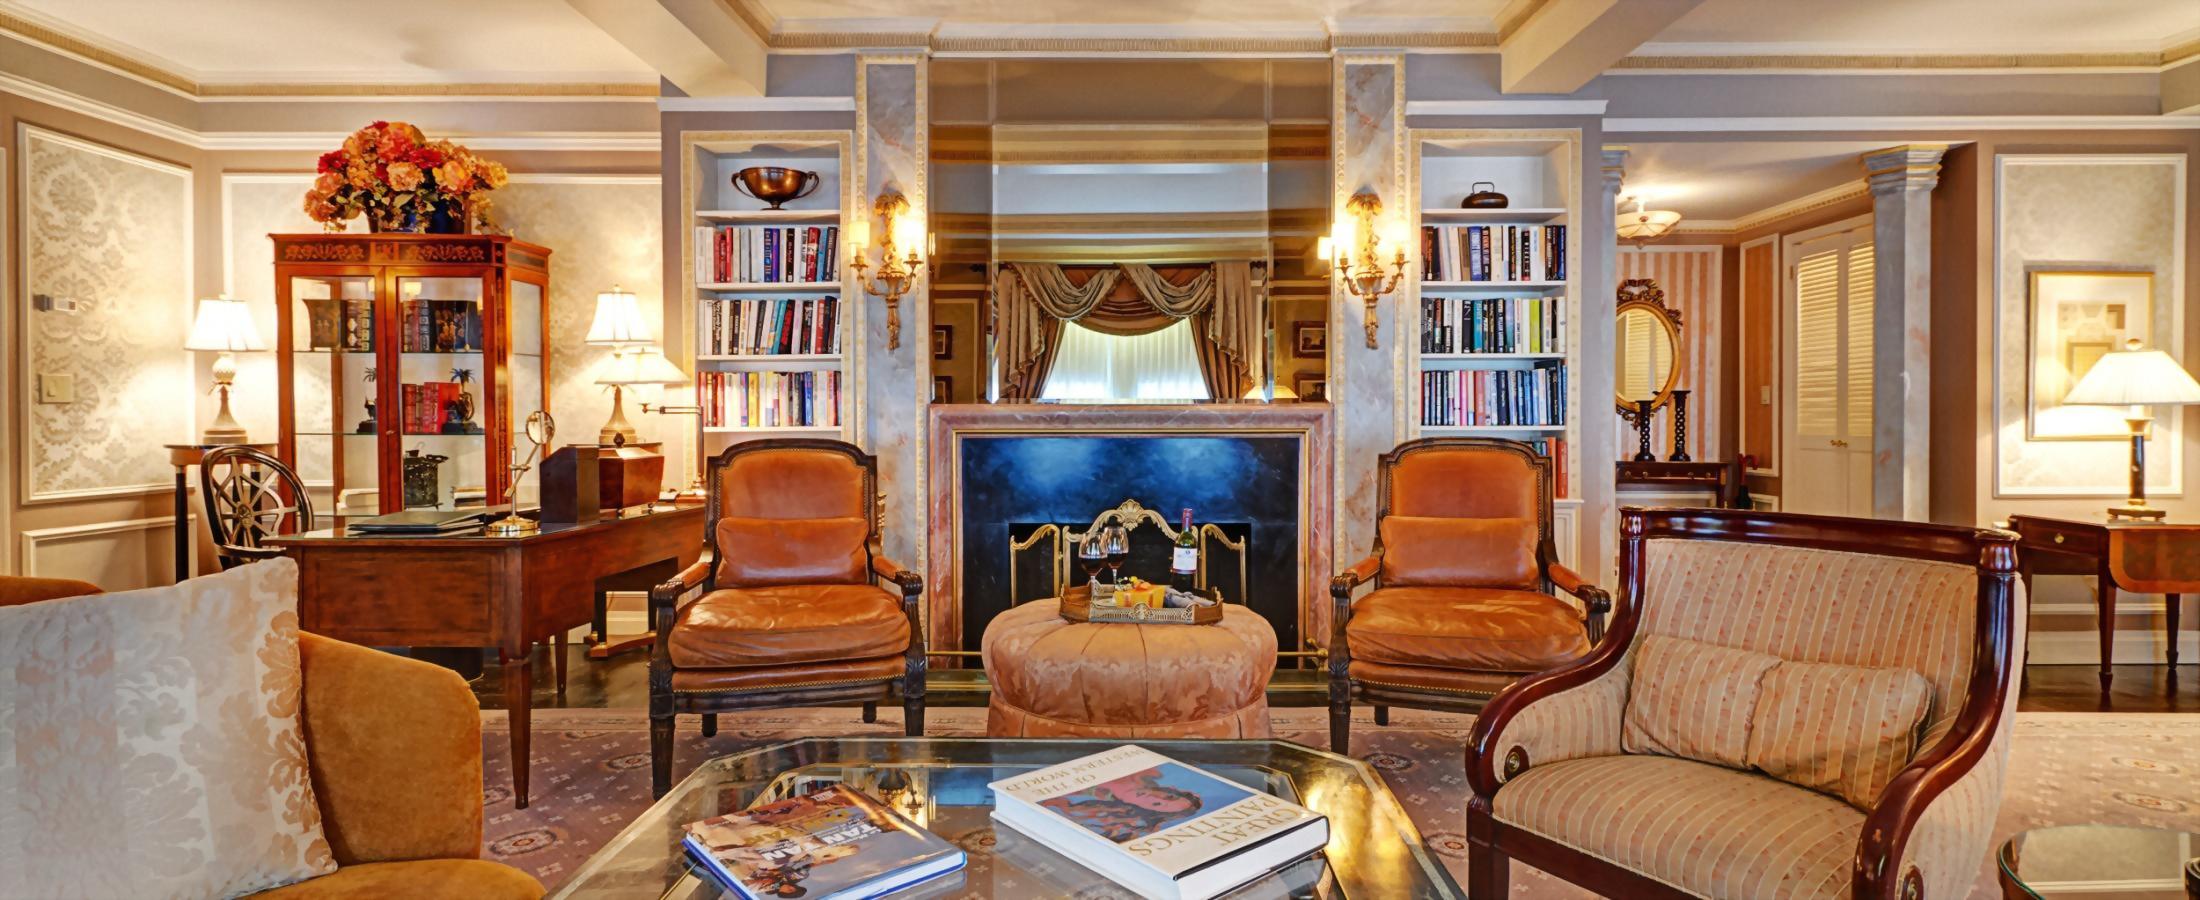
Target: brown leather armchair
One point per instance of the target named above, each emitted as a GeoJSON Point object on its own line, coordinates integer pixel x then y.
{"type": "Point", "coordinates": [1463, 569]}
{"type": "Point", "coordinates": [792, 609]}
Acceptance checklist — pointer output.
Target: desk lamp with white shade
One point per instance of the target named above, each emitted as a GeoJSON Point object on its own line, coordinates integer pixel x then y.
{"type": "Point", "coordinates": [224, 326]}
{"type": "Point", "coordinates": [632, 367]}
{"type": "Point", "coordinates": [2139, 379]}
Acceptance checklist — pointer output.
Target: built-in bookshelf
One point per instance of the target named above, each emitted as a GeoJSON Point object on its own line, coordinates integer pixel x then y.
{"type": "Point", "coordinates": [1492, 313]}
{"type": "Point", "coordinates": [774, 312]}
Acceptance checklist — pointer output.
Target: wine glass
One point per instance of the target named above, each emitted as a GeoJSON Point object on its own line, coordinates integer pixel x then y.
{"type": "Point", "coordinates": [1118, 540]}
{"type": "Point", "coordinates": [1092, 556]}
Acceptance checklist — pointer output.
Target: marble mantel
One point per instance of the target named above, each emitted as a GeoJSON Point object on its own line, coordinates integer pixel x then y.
{"type": "Point", "coordinates": [951, 427]}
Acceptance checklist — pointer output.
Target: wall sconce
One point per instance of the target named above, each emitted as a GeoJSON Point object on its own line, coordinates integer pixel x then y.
{"type": "Point", "coordinates": [898, 259]}
{"type": "Point", "coordinates": [1356, 250]}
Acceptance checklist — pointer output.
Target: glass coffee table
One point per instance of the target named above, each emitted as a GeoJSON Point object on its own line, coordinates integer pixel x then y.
{"type": "Point", "coordinates": [1374, 850]}
{"type": "Point", "coordinates": [2077, 861]}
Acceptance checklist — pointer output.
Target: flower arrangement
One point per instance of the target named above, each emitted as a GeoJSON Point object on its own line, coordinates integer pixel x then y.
{"type": "Point", "coordinates": [401, 180]}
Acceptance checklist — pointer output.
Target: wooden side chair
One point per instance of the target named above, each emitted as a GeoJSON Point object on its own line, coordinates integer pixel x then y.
{"type": "Point", "coordinates": [250, 495]}
{"type": "Point", "coordinates": [1464, 571]}
{"type": "Point", "coordinates": [794, 606]}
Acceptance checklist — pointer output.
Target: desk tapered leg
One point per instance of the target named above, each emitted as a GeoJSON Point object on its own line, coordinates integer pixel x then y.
{"type": "Point", "coordinates": [519, 683]}
{"type": "Point", "coordinates": [183, 527]}
{"type": "Point", "coordinates": [557, 663]}
{"type": "Point", "coordinates": [2108, 632]}
{"type": "Point", "coordinates": [2173, 601]}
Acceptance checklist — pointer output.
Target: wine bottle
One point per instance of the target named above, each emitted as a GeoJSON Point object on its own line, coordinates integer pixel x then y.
{"type": "Point", "coordinates": [1184, 563]}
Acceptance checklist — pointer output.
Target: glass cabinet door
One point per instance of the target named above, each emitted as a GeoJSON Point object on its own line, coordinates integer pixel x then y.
{"type": "Point", "coordinates": [333, 391]}
{"type": "Point", "coordinates": [528, 391]}
{"type": "Point", "coordinates": [442, 443]}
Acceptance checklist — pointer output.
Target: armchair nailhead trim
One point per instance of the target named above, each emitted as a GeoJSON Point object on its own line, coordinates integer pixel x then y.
{"type": "Point", "coordinates": [1516, 762]}
{"type": "Point", "coordinates": [1913, 884]}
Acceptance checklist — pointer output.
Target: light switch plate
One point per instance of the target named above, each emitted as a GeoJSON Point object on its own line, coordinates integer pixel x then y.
{"type": "Point", "coordinates": [56, 388]}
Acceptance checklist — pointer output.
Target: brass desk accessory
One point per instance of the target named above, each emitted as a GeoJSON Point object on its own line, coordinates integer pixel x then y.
{"type": "Point", "coordinates": [540, 429]}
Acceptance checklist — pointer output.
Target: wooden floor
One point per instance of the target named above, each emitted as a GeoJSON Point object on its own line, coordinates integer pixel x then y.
{"type": "Point", "coordinates": [623, 683]}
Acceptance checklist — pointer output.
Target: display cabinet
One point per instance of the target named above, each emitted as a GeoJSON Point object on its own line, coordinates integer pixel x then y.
{"type": "Point", "coordinates": [406, 362]}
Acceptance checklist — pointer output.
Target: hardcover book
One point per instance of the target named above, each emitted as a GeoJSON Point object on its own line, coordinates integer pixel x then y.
{"type": "Point", "coordinates": [1158, 826]}
{"type": "Point", "coordinates": [831, 843]}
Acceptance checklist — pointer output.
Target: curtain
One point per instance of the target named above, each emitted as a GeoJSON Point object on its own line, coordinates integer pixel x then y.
{"type": "Point", "coordinates": [1159, 366]}
{"type": "Point", "coordinates": [1227, 333]}
{"type": "Point", "coordinates": [1031, 301]}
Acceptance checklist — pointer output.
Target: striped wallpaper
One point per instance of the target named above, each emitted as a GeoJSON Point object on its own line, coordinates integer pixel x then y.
{"type": "Point", "coordinates": [1690, 277]}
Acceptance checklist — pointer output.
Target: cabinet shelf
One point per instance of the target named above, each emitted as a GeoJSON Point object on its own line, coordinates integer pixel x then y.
{"type": "Point", "coordinates": [771, 359]}
{"type": "Point", "coordinates": [1475, 357]}
{"type": "Point", "coordinates": [772, 287]}
{"type": "Point", "coordinates": [1489, 286]}
{"type": "Point", "coordinates": [771, 216]}
{"type": "Point", "coordinates": [1493, 430]}
{"type": "Point", "coordinates": [1509, 216]}
{"type": "Point", "coordinates": [773, 429]}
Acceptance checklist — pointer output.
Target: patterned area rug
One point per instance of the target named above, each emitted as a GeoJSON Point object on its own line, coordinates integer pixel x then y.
{"type": "Point", "coordinates": [591, 774]}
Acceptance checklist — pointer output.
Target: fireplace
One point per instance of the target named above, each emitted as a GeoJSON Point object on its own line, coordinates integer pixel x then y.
{"type": "Point", "coordinates": [998, 473]}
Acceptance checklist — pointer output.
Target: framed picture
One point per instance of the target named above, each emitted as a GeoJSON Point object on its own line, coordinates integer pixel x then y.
{"type": "Point", "coordinates": [2074, 318]}
{"type": "Point", "coordinates": [943, 389]}
{"type": "Point", "coordinates": [1312, 387]}
{"type": "Point", "coordinates": [1309, 339]}
{"type": "Point", "coordinates": [943, 341]}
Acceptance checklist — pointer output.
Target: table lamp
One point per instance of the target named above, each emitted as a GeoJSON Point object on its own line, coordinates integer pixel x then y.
{"type": "Point", "coordinates": [224, 326]}
{"type": "Point", "coordinates": [618, 321]}
{"type": "Point", "coordinates": [643, 365]}
{"type": "Point", "coordinates": [2138, 379]}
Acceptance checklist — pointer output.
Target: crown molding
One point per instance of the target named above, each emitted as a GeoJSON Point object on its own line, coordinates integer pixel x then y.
{"type": "Point", "coordinates": [1505, 108]}
{"type": "Point", "coordinates": [1838, 194]}
{"type": "Point", "coordinates": [1772, 59]}
{"type": "Point", "coordinates": [103, 111]}
{"type": "Point", "coordinates": [756, 104]}
{"type": "Point", "coordinates": [1626, 124]}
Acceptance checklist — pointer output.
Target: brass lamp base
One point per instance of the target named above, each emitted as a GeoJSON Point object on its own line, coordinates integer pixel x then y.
{"type": "Point", "coordinates": [513, 525]}
{"type": "Point", "coordinates": [2137, 512]}
{"type": "Point", "coordinates": [2136, 507]}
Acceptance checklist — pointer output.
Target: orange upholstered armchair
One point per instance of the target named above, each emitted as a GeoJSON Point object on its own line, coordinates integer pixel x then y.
{"type": "Point", "coordinates": [1786, 706]}
{"type": "Point", "coordinates": [1464, 570]}
{"type": "Point", "coordinates": [792, 610]}
{"type": "Point", "coordinates": [394, 747]}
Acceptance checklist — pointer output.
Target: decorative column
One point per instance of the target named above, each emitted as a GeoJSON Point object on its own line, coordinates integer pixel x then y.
{"type": "Point", "coordinates": [1902, 180]}
{"type": "Point", "coordinates": [895, 383]}
{"type": "Point", "coordinates": [1596, 381]}
{"type": "Point", "coordinates": [1368, 109]}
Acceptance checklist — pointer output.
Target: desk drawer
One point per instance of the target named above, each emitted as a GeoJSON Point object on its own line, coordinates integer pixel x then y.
{"type": "Point", "coordinates": [2059, 537]}
{"type": "Point", "coordinates": [387, 598]}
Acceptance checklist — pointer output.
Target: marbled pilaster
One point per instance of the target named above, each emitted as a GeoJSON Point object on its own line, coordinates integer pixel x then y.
{"type": "Point", "coordinates": [891, 153]}
{"type": "Point", "coordinates": [1902, 180]}
{"type": "Point", "coordinates": [1368, 112]}
{"type": "Point", "coordinates": [1596, 379]}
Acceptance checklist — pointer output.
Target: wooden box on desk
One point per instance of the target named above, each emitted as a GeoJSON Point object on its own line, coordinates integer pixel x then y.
{"type": "Point", "coordinates": [584, 482]}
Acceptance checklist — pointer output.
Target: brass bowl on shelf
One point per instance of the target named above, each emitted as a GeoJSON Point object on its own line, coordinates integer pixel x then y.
{"type": "Point", "coordinates": [775, 184]}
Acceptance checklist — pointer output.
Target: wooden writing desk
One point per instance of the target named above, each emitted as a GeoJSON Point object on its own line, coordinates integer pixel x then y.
{"type": "Point", "coordinates": [2141, 558]}
{"type": "Point", "coordinates": [473, 590]}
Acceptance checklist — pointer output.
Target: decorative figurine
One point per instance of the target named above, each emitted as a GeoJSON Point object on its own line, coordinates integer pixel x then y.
{"type": "Point", "coordinates": [459, 418]}
{"type": "Point", "coordinates": [1680, 427]}
{"type": "Point", "coordinates": [367, 426]}
{"type": "Point", "coordinates": [423, 481]}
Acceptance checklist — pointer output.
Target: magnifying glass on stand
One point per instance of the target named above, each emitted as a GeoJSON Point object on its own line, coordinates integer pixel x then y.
{"type": "Point", "coordinates": [540, 429]}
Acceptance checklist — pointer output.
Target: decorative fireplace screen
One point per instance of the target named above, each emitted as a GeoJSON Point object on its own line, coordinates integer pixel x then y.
{"type": "Point", "coordinates": [1131, 515]}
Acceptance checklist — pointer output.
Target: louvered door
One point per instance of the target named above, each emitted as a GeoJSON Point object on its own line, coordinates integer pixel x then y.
{"type": "Point", "coordinates": [1829, 384]}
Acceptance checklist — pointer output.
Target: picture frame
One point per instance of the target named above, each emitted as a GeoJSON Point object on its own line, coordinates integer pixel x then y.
{"type": "Point", "coordinates": [943, 389]}
{"type": "Point", "coordinates": [1312, 387]}
{"type": "Point", "coordinates": [1309, 339]}
{"type": "Point", "coordinates": [2073, 317]}
{"type": "Point", "coordinates": [943, 341]}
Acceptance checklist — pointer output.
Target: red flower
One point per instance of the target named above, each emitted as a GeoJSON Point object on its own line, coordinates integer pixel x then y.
{"type": "Point", "coordinates": [379, 124]}
{"type": "Point", "coordinates": [425, 157]}
{"type": "Point", "coordinates": [332, 161]}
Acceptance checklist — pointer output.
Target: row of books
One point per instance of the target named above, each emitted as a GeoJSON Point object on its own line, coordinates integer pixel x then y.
{"type": "Point", "coordinates": [768, 254]}
{"type": "Point", "coordinates": [436, 407]}
{"type": "Point", "coordinates": [1493, 325]}
{"type": "Point", "coordinates": [1493, 253]}
{"type": "Point", "coordinates": [1553, 449]}
{"type": "Point", "coordinates": [771, 327]}
{"type": "Point", "coordinates": [769, 399]}
{"type": "Point", "coordinates": [440, 326]}
{"type": "Point", "coordinates": [1494, 397]}
{"type": "Point", "coordinates": [1156, 826]}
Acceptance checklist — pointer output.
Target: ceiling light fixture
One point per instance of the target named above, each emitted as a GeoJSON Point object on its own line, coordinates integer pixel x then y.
{"type": "Point", "coordinates": [1645, 225]}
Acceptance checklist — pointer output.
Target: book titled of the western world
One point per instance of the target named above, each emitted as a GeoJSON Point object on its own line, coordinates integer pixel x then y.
{"type": "Point", "coordinates": [1157, 826]}
{"type": "Point", "coordinates": [831, 843]}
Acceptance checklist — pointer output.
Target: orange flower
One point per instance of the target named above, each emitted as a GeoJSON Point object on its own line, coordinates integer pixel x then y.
{"type": "Point", "coordinates": [328, 183]}
{"type": "Point", "coordinates": [454, 177]}
{"type": "Point", "coordinates": [493, 174]}
{"type": "Point", "coordinates": [405, 176]}
{"type": "Point", "coordinates": [360, 175]}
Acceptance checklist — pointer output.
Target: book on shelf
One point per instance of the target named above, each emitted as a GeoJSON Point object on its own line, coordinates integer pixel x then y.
{"type": "Point", "coordinates": [805, 325]}
{"type": "Point", "coordinates": [829, 843]}
{"type": "Point", "coordinates": [441, 326]}
{"type": "Point", "coordinates": [1553, 449]}
{"type": "Point", "coordinates": [1493, 253]}
{"type": "Point", "coordinates": [1493, 325]}
{"type": "Point", "coordinates": [767, 254]}
{"type": "Point", "coordinates": [1159, 827]}
{"type": "Point", "coordinates": [1494, 397]}
{"type": "Point", "coordinates": [770, 399]}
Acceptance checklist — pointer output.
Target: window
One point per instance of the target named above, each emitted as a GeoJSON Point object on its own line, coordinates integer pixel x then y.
{"type": "Point", "coordinates": [1092, 367]}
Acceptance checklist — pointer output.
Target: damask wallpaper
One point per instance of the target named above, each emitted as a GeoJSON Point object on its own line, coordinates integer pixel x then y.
{"type": "Point", "coordinates": [112, 231]}
{"type": "Point", "coordinates": [2096, 212]}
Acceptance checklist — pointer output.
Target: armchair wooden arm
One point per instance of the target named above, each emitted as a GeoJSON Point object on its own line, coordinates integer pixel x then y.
{"type": "Point", "coordinates": [664, 599]}
{"type": "Point", "coordinates": [1340, 594]}
{"type": "Point", "coordinates": [1595, 601]}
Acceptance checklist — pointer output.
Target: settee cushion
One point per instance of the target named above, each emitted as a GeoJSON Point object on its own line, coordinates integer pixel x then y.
{"type": "Point", "coordinates": [1693, 700]}
{"type": "Point", "coordinates": [1427, 550]}
{"type": "Point", "coordinates": [776, 626]}
{"type": "Point", "coordinates": [1478, 629]}
{"type": "Point", "coordinates": [768, 552]}
{"type": "Point", "coordinates": [1707, 830]}
{"type": "Point", "coordinates": [421, 879]}
{"type": "Point", "coordinates": [1844, 730]}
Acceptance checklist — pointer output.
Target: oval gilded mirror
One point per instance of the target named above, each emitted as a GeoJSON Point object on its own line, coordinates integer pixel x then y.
{"type": "Point", "coordinates": [1646, 346]}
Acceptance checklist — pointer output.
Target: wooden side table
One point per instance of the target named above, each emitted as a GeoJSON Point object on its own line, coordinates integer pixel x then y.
{"type": "Point", "coordinates": [2141, 558]}
{"type": "Point", "coordinates": [1722, 478]}
{"type": "Point", "coordinates": [183, 457]}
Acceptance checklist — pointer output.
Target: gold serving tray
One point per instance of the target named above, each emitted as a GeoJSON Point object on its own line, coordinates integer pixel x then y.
{"type": "Point", "coordinates": [1077, 607]}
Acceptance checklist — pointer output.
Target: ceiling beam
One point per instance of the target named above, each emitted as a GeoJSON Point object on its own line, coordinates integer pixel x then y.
{"type": "Point", "coordinates": [1565, 43]}
{"type": "Point", "coordinates": [696, 44]}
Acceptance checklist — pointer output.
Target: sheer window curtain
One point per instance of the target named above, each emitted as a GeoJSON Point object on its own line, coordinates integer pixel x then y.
{"type": "Point", "coordinates": [1156, 367]}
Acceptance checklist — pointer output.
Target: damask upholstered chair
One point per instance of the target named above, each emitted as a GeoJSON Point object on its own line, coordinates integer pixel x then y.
{"type": "Point", "coordinates": [1464, 571]}
{"type": "Point", "coordinates": [793, 608]}
{"type": "Point", "coordinates": [1786, 706]}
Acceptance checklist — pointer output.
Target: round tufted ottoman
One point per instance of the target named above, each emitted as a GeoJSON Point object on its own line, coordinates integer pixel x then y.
{"type": "Point", "coordinates": [1055, 678]}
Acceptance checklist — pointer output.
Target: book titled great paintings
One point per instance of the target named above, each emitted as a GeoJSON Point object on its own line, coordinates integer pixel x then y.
{"type": "Point", "coordinates": [1158, 826]}
{"type": "Point", "coordinates": [831, 843]}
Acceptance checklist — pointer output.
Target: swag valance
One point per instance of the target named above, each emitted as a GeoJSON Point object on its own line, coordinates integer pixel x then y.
{"type": "Point", "coordinates": [1032, 300]}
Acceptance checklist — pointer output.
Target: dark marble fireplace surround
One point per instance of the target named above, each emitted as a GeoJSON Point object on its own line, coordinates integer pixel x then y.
{"type": "Point", "coordinates": [1002, 470]}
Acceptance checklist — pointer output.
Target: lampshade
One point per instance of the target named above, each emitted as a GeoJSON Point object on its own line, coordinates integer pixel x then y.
{"type": "Point", "coordinates": [2134, 377]}
{"type": "Point", "coordinates": [646, 366]}
{"type": "Point", "coordinates": [618, 320]}
{"type": "Point", "coordinates": [224, 325]}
